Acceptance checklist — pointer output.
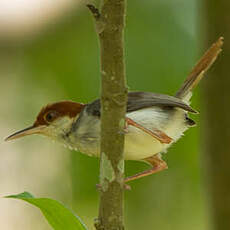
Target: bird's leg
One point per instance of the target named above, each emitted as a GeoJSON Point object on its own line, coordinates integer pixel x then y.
{"type": "Point", "coordinates": [157, 165]}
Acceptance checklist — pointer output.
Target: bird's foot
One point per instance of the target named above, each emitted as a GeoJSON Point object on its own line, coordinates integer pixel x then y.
{"type": "Point", "coordinates": [157, 165]}
{"type": "Point", "coordinates": [125, 187]}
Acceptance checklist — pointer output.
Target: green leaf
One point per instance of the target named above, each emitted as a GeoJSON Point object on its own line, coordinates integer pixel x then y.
{"type": "Point", "coordinates": [56, 213]}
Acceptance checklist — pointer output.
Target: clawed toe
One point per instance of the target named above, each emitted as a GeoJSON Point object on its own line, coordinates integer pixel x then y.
{"type": "Point", "coordinates": [126, 187]}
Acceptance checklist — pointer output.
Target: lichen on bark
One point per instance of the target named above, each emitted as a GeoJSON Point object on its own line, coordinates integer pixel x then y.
{"type": "Point", "coordinates": [107, 173]}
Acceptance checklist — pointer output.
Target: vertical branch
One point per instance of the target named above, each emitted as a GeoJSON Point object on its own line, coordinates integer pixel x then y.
{"type": "Point", "coordinates": [216, 120]}
{"type": "Point", "coordinates": [110, 28]}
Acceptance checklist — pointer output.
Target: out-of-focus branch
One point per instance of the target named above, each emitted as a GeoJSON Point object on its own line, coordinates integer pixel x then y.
{"type": "Point", "coordinates": [216, 129]}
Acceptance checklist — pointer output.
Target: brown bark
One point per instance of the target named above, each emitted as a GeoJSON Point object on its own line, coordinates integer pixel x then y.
{"type": "Point", "coordinates": [216, 128]}
{"type": "Point", "coordinates": [110, 29]}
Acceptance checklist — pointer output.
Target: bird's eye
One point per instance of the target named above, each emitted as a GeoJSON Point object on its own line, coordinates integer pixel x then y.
{"type": "Point", "coordinates": [50, 116]}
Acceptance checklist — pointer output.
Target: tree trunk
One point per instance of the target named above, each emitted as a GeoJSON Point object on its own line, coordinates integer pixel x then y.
{"type": "Point", "coordinates": [216, 128]}
{"type": "Point", "coordinates": [110, 28]}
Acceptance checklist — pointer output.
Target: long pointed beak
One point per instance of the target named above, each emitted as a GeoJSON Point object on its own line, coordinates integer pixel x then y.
{"type": "Point", "coordinates": [25, 132]}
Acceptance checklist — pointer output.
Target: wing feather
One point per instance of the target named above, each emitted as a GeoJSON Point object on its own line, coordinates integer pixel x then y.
{"type": "Point", "coordinates": [141, 100]}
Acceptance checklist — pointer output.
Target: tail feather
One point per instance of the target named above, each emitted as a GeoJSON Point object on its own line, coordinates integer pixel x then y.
{"type": "Point", "coordinates": [197, 73]}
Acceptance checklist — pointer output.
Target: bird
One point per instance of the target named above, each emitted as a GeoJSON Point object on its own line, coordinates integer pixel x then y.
{"type": "Point", "coordinates": [153, 121]}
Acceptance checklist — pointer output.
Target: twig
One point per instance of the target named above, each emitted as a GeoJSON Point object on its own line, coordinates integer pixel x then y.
{"type": "Point", "coordinates": [95, 11]}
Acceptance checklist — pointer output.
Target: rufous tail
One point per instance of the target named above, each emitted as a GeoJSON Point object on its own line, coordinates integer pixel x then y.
{"type": "Point", "coordinates": [197, 73]}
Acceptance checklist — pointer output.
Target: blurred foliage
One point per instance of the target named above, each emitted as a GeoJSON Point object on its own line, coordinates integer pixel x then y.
{"type": "Point", "coordinates": [58, 216]}
{"type": "Point", "coordinates": [161, 49]}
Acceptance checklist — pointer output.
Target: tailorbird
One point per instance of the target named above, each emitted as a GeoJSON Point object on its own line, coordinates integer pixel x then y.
{"type": "Point", "coordinates": [153, 121]}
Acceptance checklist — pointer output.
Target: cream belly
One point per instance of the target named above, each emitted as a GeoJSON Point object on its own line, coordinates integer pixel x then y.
{"type": "Point", "coordinates": [138, 144]}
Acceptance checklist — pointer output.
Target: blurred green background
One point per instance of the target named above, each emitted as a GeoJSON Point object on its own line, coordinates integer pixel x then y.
{"type": "Point", "coordinates": [59, 60]}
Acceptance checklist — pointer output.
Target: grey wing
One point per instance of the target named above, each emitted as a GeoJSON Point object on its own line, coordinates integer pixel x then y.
{"type": "Point", "coordinates": [141, 100]}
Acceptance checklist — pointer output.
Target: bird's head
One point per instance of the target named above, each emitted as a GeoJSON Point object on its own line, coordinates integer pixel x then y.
{"type": "Point", "coordinates": [54, 120]}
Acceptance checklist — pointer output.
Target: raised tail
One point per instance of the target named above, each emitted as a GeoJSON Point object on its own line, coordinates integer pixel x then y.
{"type": "Point", "coordinates": [197, 73]}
